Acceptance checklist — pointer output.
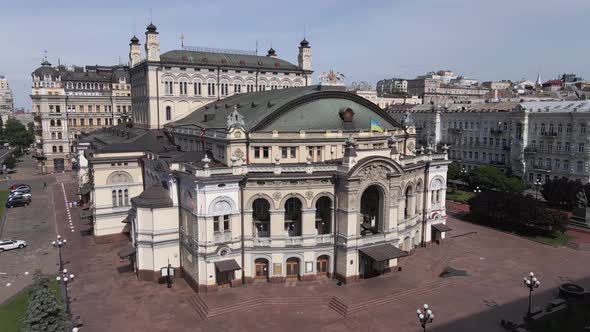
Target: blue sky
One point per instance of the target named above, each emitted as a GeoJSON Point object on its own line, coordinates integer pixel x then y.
{"type": "Point", "coordinates": [365, 40]}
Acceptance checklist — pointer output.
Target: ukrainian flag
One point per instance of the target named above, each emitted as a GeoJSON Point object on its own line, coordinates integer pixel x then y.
{"type": "Point", "coordinates": [375, 126]}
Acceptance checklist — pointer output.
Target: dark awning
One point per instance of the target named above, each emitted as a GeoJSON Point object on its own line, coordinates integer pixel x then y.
{"type": "Point", "coordinates": [227, 265]}
{"type": "Point", "coordinates": [441, 227]}
{"type": "Point", "coordinates": [383, 252]}
{"type": "Point", "coordinates": [85, 213]}
{"type": "Point", "coordinates": [85, 189]}
{"type": "Point", "coordinates": [129, 251]}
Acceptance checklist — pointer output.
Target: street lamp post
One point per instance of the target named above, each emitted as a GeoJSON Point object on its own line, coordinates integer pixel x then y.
{"type": "Point", "coordinates": [477, 190]}
{"type": "Point", "coordinates": [531, 283]}
{"type": "Point", "coordinates": [65, 279]}
{"type": "Point", "coordinates": [58, 244]}
{"type": "Point", "coordinates": [425, 318]}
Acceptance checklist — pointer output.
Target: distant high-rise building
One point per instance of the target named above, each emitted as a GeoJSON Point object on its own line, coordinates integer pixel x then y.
{"type": "Point", "coordinates": [6, 101]}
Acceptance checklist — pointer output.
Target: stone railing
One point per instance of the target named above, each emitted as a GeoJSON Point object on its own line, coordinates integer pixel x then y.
{"type": "Point", "coordinates": [222, 237]}
{"type": "Point", "coordinates": [370, 239]}
{"type": "Point", "coordinates": [293, 241]}
{"type": "Point", "coordinates": [325, 239]}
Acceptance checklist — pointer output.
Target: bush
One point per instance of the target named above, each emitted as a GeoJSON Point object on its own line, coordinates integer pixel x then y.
{"type": "Point", "coordinates": [454, 171]}
{"type": "Point", "coordinates": [10, 162]}
{"type": "Point", "coordinates": [44, 311]}
{"type": "Point", "coordinates": [515, 212]}
{"type": "Point", "coordinates": [562, 192]}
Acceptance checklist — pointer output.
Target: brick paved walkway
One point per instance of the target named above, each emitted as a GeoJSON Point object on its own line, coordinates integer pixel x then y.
{"type": "Point", "coordinates": [108, 297]}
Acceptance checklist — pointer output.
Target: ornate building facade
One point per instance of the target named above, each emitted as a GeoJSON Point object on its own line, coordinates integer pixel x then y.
{"type": "Point", "coordinates": [70, 100]}
{"type": "Point", "coordinates": [168, 86]}
{"type": "Point", "coordinates": [536, 140]}
{"type": "Point", "coordinates": [280, 185]}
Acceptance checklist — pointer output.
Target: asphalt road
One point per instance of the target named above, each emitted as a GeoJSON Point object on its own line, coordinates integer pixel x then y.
{"type": "Point", "coordinates": [34, 224]}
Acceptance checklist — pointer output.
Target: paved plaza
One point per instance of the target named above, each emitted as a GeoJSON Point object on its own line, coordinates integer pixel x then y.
{"type": "Point", "coordinates": [108, 297]}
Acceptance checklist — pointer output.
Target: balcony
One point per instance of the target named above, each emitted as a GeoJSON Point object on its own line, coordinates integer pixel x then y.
{"type": "Point", "coordinates": [294, 241]}
{"type": "Point", "coordinates": [542, 169]}
{"type": "Point", "coordinates": [325, 239]}
{"type": "Point", "coordinates": [370, 239]}
{"type": "Point", "coordinates": [528, 150]}
{"type": "Point", "coordinates": [455, 131]}
{"type": "Point", "coordinates": [549, 134]}
{"type": "Point", "coordinates": [496, 131]}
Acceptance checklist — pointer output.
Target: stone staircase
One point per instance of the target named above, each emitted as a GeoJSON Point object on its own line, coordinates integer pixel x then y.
{"type": "Point", "coordinates": [341, 305]}
{"type": "Point", "coordinates": [205, 312]}
{"type": "Point", "coordinates": [347, 308]}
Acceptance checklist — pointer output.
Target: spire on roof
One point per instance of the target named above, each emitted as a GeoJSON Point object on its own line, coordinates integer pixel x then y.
{"type": "Point", "coordinates": [538, 82]}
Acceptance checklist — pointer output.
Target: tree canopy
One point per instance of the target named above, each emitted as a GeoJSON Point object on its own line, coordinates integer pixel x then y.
{"type": "Point", "coordinates": [454, 171]}
{"type": "Point", "coordinates": [17, 134]}
{"type": "Point", "coordinates": [515, 212]}
{"type": "Point", "coordinates": [490, 177]}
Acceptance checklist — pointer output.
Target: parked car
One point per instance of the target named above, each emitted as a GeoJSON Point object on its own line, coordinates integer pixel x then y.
{"type": "Point", "coordinates": [19, 185]}
{"type": "Point", "coordinates": [12, 244]}
{"type": "Point", "coordinates": [20, 194]}
{"type": "Point", "coordinates": [18, 201]}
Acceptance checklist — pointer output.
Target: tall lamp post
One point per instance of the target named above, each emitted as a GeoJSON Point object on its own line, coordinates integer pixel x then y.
{"type": "Point", "coordinates": [58, 244]}
{"type": "Point", "coordinates": [477, 190]}
{"type": "Point", "coordinates": [65, 279]}
{"type": "Point", "coordinates": [537, 185]}
{"type": "Point", "coordinates": [531, 283]}
{"type": "Point", "coordinates": [425, 318]}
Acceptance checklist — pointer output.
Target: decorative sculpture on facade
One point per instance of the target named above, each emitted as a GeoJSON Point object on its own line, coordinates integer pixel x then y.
{"type": "Point", "coordinates": [582, 199]}
{"type": "Point", "coordinates": [235, 119]}
{"type": "Point", "coordinates": [332, 78]}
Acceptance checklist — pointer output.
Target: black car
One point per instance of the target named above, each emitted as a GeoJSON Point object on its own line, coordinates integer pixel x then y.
{"type": "Point", "coordinates": [18, 201]}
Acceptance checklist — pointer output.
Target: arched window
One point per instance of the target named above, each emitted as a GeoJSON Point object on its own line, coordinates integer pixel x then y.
{"type": "Point", "coordinates": [285, 85]}
{"type": "Point", "coordinates": [274, 85]}
{"type": "Point", "coordinates": [323, 215]}
{"type": "Point", "coordinates": [120, 196]}
{"type": "Point", "coordinates": [61, 148]}
{"type": "Point", "coordinates": [542, 127]}
{"type": "Point", "coordinates": [168, 87]}
{"type": "Point", "coordinates": [52, 123]}
{"type": "Point", "coordinates": [183, 86]}
{"type": "Point", "coordinates": [237, 87]}
{"type": "Point", "coordinates": [551, 128]}
{"type": "Point", "coordinates": [559, 128]}
{"type": "Point", "coordinates": [250, 86]}
{"type": "Point", "coordinates": [224, 87]}
{"type": "Point", "coordinates": [168, 113]}
{"type": "Point", "coordinates": [197, 88]}
{"type": "Point", "coordinates": [114, 193]}
{"type": "Point", "coordinates": [409, 209]}
{"type": "Point", "coordinates": [261, 217]}
{"type": "Point", "coordinates": [52, 135]}
{"type": "Point", "coordinates": [58, 122]}
{"type": "Point", "coordinates": [293, 216]}
{"type": "Point", "coordinates": [59, 135]}
{"type": "Point", "coordinates": [54, 148]}
{"type": "Point", "coordinates": [126, 196]}
{"type": "Point", "coordinates": [211, 87]}
{"type": "Point", "coordinates": [582, 128]}
{"type": "Point", "coordinates": [569, 128]}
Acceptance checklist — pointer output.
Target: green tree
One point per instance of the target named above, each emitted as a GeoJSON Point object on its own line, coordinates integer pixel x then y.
{"type": "Point", "coordinates": [490, 177]}
{"type": "Point", "coordinates": [562, 192]}
{"type": "Point", "coordinates": [454, 171]}
{"type": "Point", "coordinates": [44, 311]}
{"type": "Point", "coordinates": [10, 162]}
{"type": "Point", "coordinates": [17, 134]}
{"type": "Point", "coordinates": [515, 212]}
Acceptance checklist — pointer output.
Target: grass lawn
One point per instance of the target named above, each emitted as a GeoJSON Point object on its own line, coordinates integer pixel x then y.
{"type": "Point", "coordinates": [558, 239]}
{"type": "Point", "coordinates": [13, 311]}
{"type": "Point", "coordinates": [3, 196]}
{"type": "Point", "coordinates": [459, 195]}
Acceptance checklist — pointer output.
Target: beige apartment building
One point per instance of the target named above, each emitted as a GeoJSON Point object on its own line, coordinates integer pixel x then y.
{"type": "Point", "coordinates": [168, 86]}
{"type": "Point", "coordinates": [536, 140]}
{"type": "Point", "coordinates": [68, 101]}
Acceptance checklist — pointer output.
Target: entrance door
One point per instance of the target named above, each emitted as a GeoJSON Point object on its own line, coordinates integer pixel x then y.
{"type": "Point", "coordinates": [261, 268]}
{"type": "Point", "coordinates": [323, 264]}
{"type": "Point", "coordinates": [292, 267]}
{"type": "Point", "coordinates": [58, 164]}
{"type": "Point", "coordinates": [224, 278]}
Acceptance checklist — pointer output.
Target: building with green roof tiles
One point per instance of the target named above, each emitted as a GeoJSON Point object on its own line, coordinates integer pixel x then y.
{"type": "Point", "coordinates": [169, 86]}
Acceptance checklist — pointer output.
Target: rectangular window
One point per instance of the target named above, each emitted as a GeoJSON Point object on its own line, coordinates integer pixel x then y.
{"type": "Point", "coordinates": [82, 123]}
{"type": "Point", "coordinates": [265, 152]}
{"type": "Point", "coordinates": [557, 164]}
{"type": "Point", "coordinates": [99, 122]}
{"type": "Point", "coordinates": [226, 222]}
{"type": "Point", "coordinates": [566, 164]}
{"type": "Point", "coordinates": [581, 147]}
{"type": "Point", "coordinates": [216, 224]}
{"type": "Point", "coordinates": [114, 192]}
{"type": "Point", "coordinates": [284, 152]}
{"type": "Point", "coordinates": [293, 152]}
{"type": "Point", "coordinates": [567, 147]}
{"type": "Point", "coordinates": [91, 122]}
{"type": "Point", "coordinates": [256, 152]}
{"type": "Point", "coordinates": [580, 166]}
{"type": "Point", "coordinates": [126, 197]}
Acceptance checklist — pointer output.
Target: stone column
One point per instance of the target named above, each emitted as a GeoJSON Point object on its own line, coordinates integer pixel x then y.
{"type": "Point", "coordinates": [308, 230]}
{"type": "Point", "coordinates": [277, 228]}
